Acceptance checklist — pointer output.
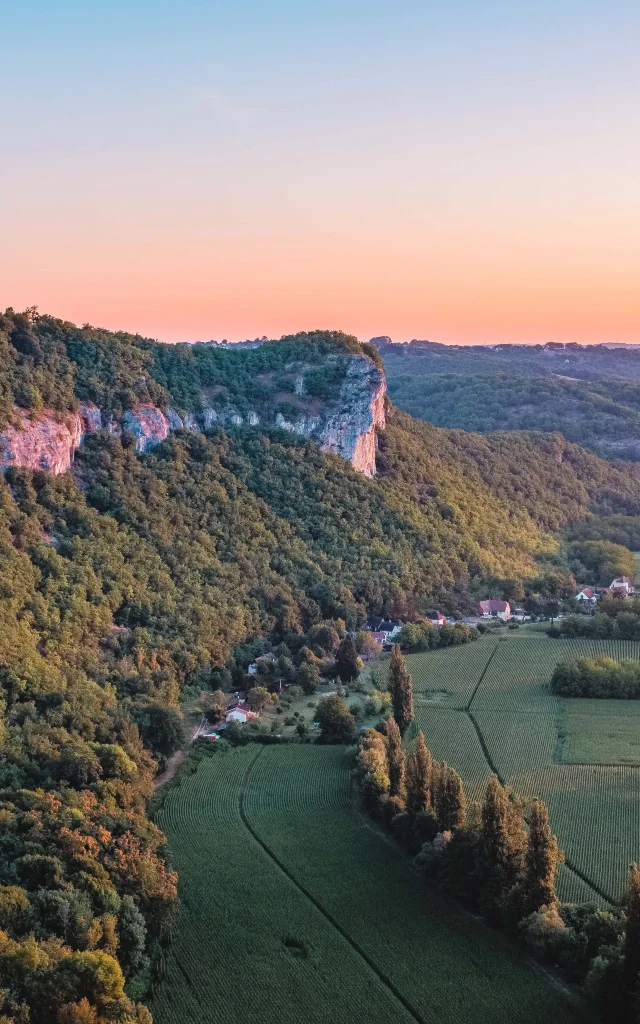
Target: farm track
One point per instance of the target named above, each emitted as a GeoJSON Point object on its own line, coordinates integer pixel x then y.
{"type": "Point", "coordinates": [479, 684]}
{"type": "Point", "coordinates": [384, 979]}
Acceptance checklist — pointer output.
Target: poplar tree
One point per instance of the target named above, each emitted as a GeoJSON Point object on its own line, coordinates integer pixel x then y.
{"type": "Point", "coordinates": [632, 929]}
{"type": "Point", "coordinates": [503, 841]}
{"type": "Point", "coordinates": [395, 758]}
{"type": "Point", "coordinates": [541, 862]}
{"type": "Point", "coordinates": [401, 688]}
{"type": "Point", "coordinates": [452, 801]}
{"type": "Point", "coordinates": [419, 773]}
{"type": "Point", "coordinates": [503, 833]}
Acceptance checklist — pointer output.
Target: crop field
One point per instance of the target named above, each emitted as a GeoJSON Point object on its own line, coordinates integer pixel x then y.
{"type": "Point", "coordinates": [601, 732]}
{"type": "Point", "coordinates": [297, 909]}
{"type": "Point", "coordinates": [452, 673]}
{"type": "Point", "coordinates": [581, 757]}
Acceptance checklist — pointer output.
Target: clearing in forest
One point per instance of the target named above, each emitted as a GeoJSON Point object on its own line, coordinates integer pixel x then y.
{"type": "Point", "coordinates": [296, 908]}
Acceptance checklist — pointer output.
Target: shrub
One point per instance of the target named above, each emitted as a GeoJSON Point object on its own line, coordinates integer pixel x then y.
{"type": "Point", "coordinates": [598, 678]}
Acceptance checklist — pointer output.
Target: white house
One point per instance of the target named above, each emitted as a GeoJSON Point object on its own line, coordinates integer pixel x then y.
{"type": "Point", "coordinates": [586, 594]}
{"type": "Point", "coordinates": [390, 627]}
{"type": "Point", "coordinates": [239, 711]}
{"type": "Point", "coordinates": [495, 610]}
{"type": "Point", "coordinates": [622, 585]}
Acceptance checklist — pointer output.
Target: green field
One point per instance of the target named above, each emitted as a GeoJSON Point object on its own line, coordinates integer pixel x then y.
{"type": "Point", "coordinates": [581, 757]}
{"type": "Point", "coordinates": [601, 732]}
{"type": "Point", "coordinates": [297, 909]}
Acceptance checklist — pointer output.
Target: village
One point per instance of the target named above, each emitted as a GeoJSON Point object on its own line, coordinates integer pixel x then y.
{"type": "Point", "coordinates": [272, 701]}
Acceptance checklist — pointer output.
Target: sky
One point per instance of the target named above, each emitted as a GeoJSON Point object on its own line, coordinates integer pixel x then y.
{"type": "Point", "coordinates": [459, 171]}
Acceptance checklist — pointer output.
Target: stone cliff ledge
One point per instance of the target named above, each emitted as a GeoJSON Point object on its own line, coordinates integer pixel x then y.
{"type": "Point", "coordinates": [49, 441]}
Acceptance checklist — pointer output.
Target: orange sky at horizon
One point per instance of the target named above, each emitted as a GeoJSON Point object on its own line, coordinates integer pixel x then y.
{"type": "Point", "coordinates": [460, 173]}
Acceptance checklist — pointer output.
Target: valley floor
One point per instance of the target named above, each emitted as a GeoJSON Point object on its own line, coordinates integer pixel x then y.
{"type": "Point", "coordinates": [296, 909]}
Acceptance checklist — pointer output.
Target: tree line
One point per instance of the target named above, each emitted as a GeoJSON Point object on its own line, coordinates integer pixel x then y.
{"type": "Point", "coordinates": [614, 618]}
{"type": "Point", "coordinates": [601, 677]}
{"type": "Point", "coordinates": [498, 857]}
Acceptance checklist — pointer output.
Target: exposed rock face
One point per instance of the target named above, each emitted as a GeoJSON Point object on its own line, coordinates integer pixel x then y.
{"type": "Point", "coordinates": [47, 442]}
{"type": "Point", "coordinates": [148, 425]}
{"type": "Point", "coordinates": [351, 431]}
{"type": "Point", "coordinates": [348, 429]}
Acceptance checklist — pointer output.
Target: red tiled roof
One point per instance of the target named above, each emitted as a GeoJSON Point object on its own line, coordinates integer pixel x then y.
{"type": "Point", "coordinates": [238, 705]}
{"type": "Point", "coordinates": [494, 606]}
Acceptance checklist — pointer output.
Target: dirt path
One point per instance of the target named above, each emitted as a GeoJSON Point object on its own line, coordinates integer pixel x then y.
{"type": "Point", "coordinates": [176, 760]}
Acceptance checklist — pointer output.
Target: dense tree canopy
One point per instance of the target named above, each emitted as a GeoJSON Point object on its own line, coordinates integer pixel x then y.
{"type": "Point", "coordinates": [135, 579]}
{"type": "Point", "coordinates": [589, 394]}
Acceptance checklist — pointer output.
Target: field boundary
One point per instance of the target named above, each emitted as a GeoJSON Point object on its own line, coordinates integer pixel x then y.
{"type": "Point", "coordinates": [482, 675]}
{"type": "Point", "coordinates": [568, 864]}
{"type": "Point", "coordinates": [386, 981]}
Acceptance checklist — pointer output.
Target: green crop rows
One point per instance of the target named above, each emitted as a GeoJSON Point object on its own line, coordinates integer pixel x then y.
{"type": "Point", "coordinates": [530, 738]}
{"type": "Point", "coordinates": [297, 909]}
{"type": "Point", "coordinates": [450, 675]}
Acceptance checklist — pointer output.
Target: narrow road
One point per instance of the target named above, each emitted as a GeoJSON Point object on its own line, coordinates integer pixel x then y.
{"type": "Point", "coordinates": [176, 760]}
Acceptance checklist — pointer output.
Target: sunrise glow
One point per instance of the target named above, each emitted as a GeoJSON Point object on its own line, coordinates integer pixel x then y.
{"type": "Point", "coordinates": [462, 172]}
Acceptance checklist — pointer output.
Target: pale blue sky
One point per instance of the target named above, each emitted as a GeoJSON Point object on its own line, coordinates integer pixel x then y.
{"type": "Point", "coordinates": [236, 168]}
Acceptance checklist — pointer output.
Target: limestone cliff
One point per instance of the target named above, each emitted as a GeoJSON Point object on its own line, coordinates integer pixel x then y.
{"type": "Point", "coordinates": [344, 423]}
{"type": "Point", "coordinates": [46, 442]}
{"type": "Point", "coordinates": [349, 428]}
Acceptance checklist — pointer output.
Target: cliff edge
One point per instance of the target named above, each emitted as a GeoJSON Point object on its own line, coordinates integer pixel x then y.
{"type": "Point", "coordinates": [341, 417]}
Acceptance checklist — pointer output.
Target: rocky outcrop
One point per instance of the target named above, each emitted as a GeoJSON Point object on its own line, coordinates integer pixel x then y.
{"type": "Point", "coordinates": [351, 433]}
{"type": "Point", "coordinates": [46, 442]}
{"type": "Point", "coordinates": [148, 425]}
{"type": "Point", "coordinates": [349, 429]}
{"type": "Point", "coordinates": [347, 426]}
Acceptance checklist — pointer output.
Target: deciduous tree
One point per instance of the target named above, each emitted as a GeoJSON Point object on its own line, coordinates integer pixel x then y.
{"type": "Point", "coordinates": [401, 687]}
{"type": "Point", "coordinates": [348, 664]}
{"type": "Point", "coordinates": [336, 721]}
{"type": "Point", "coordinates": [419, 777]}
{"type": "Point", "coordinates": [396, 760]}
{"type": "Point", "coordinates": [541, 861]}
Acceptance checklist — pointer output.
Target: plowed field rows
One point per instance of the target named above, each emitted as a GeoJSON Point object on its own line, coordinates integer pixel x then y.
{"type": "Point", "coordinates": [296, 909]}
{"type": "Point", "coordinates": [531, 737]}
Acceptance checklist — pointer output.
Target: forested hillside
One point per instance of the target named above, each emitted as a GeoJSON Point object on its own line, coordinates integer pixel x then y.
{"type": "Point", "coordinates": [591, 396]}
{"type": "Point", "coordinates": [136, 577]}
{"type": "Point", "coordinates": [46, 362]}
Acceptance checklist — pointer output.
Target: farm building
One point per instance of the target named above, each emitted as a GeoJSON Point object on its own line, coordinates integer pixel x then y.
{"type": "Point", "coordinates": [586, 594]}
{"type": "Point", "coordinates": [378, 637]}
{"type": "Point", "coordinates": [622, 585]}
{"type": "Point", "coordinates": [495, 609]}
{"type": "Point", "coordinates": [239, 711]}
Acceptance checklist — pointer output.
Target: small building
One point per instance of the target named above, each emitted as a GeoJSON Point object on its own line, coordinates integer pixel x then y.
{"type": "Point", "coordinates": [622, 585]}
{"type": "Point", "coordinates": [264, 659]}
{"type": "Point", "coordinates": [586, 594]}
{"type": "Point", "coordinates": [436, 618]}
{"type": "Point", "coordinates": [239, 711]}
{"type": "Point", "coordinates": [495, 610]}
{"type": "Point", "coordinates": [389, 627]}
